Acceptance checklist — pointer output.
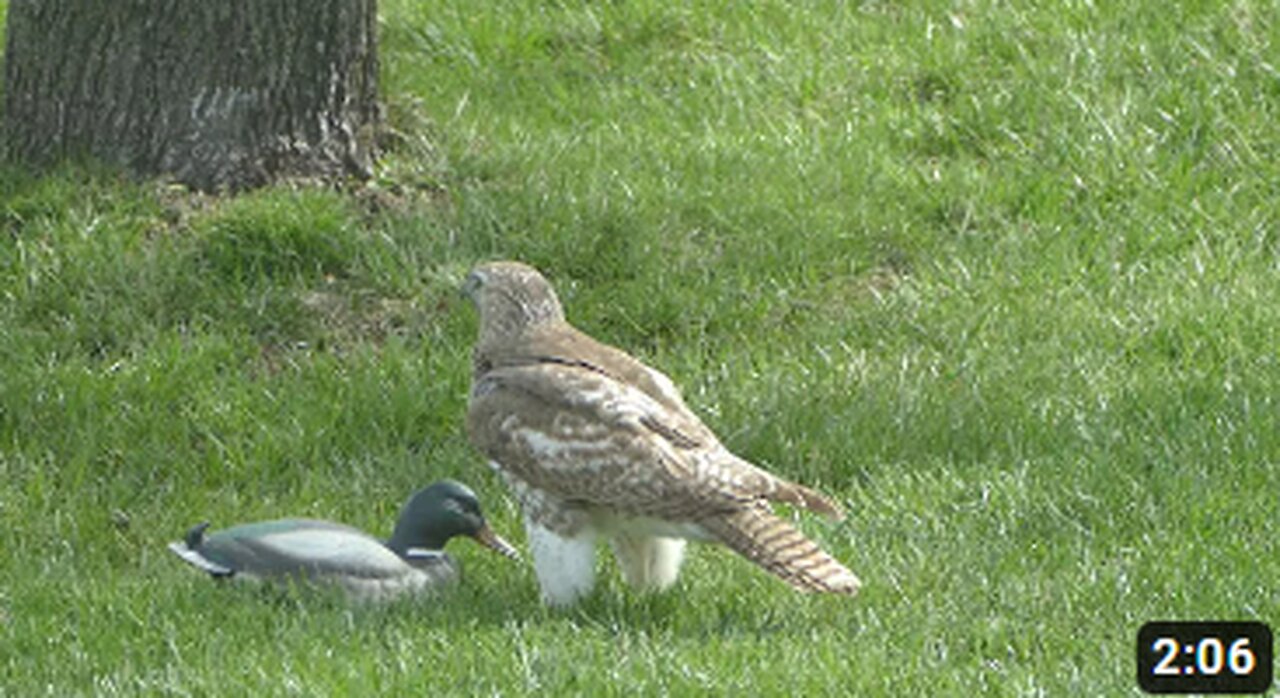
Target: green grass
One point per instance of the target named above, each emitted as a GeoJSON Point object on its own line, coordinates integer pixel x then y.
{"type": "Point", "coordinates": [1002, 278]}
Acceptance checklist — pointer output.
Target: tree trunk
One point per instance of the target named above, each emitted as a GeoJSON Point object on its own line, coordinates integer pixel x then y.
{"type": "Point", "coordinates": [218, 95]}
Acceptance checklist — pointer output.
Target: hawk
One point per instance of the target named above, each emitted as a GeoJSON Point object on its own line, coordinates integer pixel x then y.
{"type": "Point", "coordinates": [594, 444]}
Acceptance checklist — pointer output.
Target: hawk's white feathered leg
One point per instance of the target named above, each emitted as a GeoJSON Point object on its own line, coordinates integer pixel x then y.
{"type": "Point", "coordinates": [565, 565]}
{"type": "Point", "coordinates": [648, 563]}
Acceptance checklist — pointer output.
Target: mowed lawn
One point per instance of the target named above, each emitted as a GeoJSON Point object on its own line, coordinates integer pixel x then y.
{"type": "Point", "coordinates": [1003, 278]}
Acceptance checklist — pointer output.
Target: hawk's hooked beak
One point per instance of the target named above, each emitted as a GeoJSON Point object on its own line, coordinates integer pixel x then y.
{"type": "Point", "coordinates": [486, 537]}
{"type": "Point", "coordinates": [471, 286]}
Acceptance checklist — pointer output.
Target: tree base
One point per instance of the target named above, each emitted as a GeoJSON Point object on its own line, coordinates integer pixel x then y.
{"type": "Point", "coordinates": [219, 96]}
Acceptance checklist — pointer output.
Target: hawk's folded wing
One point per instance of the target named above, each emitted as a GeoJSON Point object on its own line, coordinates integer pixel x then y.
{"type": "Point", "coordinates": [583, 436]}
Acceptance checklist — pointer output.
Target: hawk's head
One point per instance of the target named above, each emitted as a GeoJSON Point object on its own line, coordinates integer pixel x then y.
{"type": "Point", "coordinates": [510, 297]}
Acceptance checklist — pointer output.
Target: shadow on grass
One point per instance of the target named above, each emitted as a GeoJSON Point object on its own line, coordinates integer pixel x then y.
{"type": "Point", "coordinates": [612, 610]}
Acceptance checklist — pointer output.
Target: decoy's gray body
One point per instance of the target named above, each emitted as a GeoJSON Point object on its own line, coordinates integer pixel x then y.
{"type": "Point", "coordinates": [316, 551]}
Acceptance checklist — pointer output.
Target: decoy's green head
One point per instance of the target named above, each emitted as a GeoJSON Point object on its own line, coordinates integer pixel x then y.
{"type": "Point", "coordinates": [442, 511]}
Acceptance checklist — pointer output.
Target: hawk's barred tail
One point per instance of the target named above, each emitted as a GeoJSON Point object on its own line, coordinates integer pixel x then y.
{"type": "Point", "coordinates": [776, 545]}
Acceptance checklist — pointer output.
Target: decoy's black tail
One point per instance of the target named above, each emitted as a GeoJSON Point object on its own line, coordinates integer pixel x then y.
{"type": "Point", "coordinates": [195, 536]}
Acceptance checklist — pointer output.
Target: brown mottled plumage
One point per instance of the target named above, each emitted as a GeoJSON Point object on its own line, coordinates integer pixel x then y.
{"type": "Point", "coordinates": [594, 442]}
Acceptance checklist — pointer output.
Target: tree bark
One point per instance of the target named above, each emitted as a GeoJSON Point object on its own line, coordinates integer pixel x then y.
{"type": "Point", "coordinates": [219, 95]}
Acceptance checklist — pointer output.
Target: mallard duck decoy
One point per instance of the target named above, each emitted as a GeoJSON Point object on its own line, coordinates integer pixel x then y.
{"type": "Point", "coordinates": [313, 550]}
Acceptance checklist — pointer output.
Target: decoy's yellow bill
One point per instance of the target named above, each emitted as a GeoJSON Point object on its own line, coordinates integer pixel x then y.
{"type": "Point", "coordinates": [486, 537]}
